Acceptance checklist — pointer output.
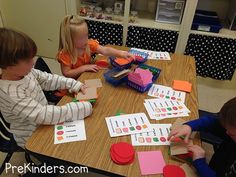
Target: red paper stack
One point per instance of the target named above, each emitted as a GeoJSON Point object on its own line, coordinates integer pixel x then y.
{"type": "Point", "coordinates": [173, 171]}
{"type": "Point", "coordinates": [122, 153]}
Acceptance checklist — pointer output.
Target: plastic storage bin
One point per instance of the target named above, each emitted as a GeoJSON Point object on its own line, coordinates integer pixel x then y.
{"type": "Point", "coordinates": [206, 21]}
{"type": "Point", "coordinates": [115, 81]}
{"type": "Point", "coordinates": [170, 11]}
{"type": "Point", "coordinates": [116, 65]}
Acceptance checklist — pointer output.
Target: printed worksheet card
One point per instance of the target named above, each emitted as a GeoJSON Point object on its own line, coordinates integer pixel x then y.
{"type": "Point", "coordinates": [69, 131]}
{"type": "Point", "coordinates": [159, 116]}
{"type": "Point", "coordinates": [153, 55]}
{"type": "Point", "coordinates": [166, 106]}
{"type": "Point", "coordinates": [158, 136]}
{"type": "Point", "coordinates": [164, 92]}
{"type": "Point", "coordinates": [128, 124]}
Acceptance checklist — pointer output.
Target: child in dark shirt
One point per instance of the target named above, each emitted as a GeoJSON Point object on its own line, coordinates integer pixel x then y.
{"type": "Point", "coordinates": [223, 162]}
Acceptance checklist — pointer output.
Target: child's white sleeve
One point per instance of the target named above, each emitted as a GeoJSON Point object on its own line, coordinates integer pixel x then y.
{"type": "Point", "coordinates": [54, 82]}
{"type": "Point", "coordinates": [28, 108]}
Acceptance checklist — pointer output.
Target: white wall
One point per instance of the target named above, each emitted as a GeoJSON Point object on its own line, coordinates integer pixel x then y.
{"type": "Point", "coordinates": [1, 23]}
{"type": "Point", "coordinates": [40, 19]}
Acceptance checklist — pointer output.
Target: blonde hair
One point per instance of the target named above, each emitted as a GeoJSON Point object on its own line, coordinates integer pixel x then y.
{"type": "Point", "coordinates": [15, 46]}
{"type": "Point", "coordinates": [68, 29]}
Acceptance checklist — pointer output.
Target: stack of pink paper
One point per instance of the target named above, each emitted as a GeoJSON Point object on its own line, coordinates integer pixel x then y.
{"type": "Point", "coordinates": [141, 77]}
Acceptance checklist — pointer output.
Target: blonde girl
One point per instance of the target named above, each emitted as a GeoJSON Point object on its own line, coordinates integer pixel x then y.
{"type": "Point", "coordinates": [75, 49]}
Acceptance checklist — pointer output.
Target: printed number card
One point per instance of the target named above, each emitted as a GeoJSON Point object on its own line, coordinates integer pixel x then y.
{"type": "Point", "coordinates": [128, 124]}
{"type": "Point", "coordinates": [158, 136]}
{"type": "Point", "coordinates": [69, 131]}
{"type": "Point", "coordinates": [164, 92]}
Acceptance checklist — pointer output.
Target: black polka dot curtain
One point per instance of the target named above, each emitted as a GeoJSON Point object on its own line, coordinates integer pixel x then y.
{"type": "Point", "coordinates": [105, 33]}
{"type": "Point", "coordinates": [215, 57]}
{"type": "Point", "coordinates": [152, 39]}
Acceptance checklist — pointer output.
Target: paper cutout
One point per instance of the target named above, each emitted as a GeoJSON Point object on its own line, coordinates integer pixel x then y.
{"type": "Point", "coordinates": [128, 124]}
{"type": "Point", "coordinates": [185, 158]}
{"type": "Point", "coordinates": [102, 63]}
{"type": "Point", "coordinates": [69, 131]}
{"type": "Point", "coordinates": [182, 85]}
{"type": "Point", "coordinates": [189, 172]}
{"type": "Point", "coordinates": [151, 162]}
{"type": "Point", "coordinates": [122, 61]}
{"type": "Point", "coordinates": [141, 77]}
{"type": "Point", "coordinates": [178, 123]}
{"type": "Point", "coordinates": [179, 148]}
{"type": "Point", "coordinates": [93, 83]}
{"type": "Point", "coordinates": [122, 153]}
{"type": "Point", "coordinates": [173, 171]}
{"type": "Point", "coordinates": [164, 92]}
{"type": "Point", "coordinates": [158, 136]}
{"type": "Point", "coordinates": [90, 93]}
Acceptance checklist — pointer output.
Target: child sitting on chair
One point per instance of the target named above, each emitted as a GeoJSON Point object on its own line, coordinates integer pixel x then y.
{"type": "Point", "coordinates": [75, 49]}
{"type": "Point", "coordinates": [22, 101]}
{"type": "Point", "coordinates": [223, 162]}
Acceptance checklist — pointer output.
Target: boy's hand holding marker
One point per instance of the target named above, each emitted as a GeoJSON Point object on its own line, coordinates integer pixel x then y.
{"type": "Point", "coordinates": [182, 134]}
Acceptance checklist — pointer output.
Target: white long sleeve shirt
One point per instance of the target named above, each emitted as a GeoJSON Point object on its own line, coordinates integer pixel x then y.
{"type": "Point", "coordinates": [24, 105]}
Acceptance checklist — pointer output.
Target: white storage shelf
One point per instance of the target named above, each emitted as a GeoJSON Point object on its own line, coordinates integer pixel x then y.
{"type": "Point", "coordinates": [147, 19]}
{"type": "Point", "coordinates": [170, 11]}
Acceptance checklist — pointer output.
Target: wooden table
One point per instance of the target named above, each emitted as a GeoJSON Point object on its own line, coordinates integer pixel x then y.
{"type": "Point", "coordinates": [94, 152]}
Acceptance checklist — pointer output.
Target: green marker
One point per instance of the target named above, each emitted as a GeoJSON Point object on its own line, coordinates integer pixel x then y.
{"type": "Point", "coordinates": [74, 100]}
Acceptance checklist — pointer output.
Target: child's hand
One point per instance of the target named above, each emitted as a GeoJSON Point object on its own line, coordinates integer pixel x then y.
{"type": "Point", "coordinates": [125, 54]}
{"type": "Point", "coordinates": [93, 68]}
{"type": "Point", "coordinates": [198, 152]}
{"type": "Point", "coordinates": [183, 130]}
{"type": "Point", "coordinates": [83, 88]}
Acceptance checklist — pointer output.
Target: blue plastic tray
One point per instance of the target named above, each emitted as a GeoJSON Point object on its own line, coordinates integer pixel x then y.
{"type": "Point", "coordinates": [115, 82]}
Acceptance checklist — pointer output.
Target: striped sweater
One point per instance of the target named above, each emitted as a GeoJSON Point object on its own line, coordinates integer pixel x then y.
{"type": "Point", "coordinates": [24, 105]}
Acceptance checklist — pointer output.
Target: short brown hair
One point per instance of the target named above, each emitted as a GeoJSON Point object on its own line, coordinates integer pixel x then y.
{"type": "Point", "coordinates": [15, 46]}
{"type": "Point", "coordinates": [227, 114]}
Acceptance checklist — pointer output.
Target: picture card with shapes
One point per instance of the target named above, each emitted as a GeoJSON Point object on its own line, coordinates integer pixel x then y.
{"type": "Point", "coordinates": [158, 136]}
{"type": "Point", "coordinates": [164, 92]}
{"type": "Point", "coordinates": [157, 116]}
{"type": "Point", "coordinates": [69, 131]}
{"type": "Point", "coordinates": [128, 124]}
{"type": "Point", "coordinates": [162, 106]}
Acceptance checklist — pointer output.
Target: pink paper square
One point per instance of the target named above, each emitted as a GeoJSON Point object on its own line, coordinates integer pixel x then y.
{"type": "Point", "coordinates": [151, 162]}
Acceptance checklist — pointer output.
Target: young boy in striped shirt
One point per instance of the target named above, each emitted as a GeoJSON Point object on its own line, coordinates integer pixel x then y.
{"type": "Point", "coordinates": [22, 101]}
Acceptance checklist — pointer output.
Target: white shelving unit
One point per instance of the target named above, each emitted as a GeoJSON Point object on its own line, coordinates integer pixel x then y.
{"type": "Point", "coordinates": [147, 19]}
{"type": "Point", "coordinates": [18, 18]}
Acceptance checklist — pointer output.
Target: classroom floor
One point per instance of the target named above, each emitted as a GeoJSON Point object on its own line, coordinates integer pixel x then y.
{"type": "Point", "coordinates": [212, 94]}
